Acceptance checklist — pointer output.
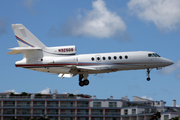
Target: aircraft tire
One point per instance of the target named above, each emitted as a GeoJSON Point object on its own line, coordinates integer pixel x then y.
{"type": "Point", "coordinates": [148, 79]}
{"type": "Point", "coordinates": [81, 83]}
{"type": "Point", "coordinates": [86, 82]}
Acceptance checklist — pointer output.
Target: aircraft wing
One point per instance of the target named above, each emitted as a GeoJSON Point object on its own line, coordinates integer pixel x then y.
{"type": "Point", "coordinates": [96, 68]}
{"type": "Point", "coordinates": [73, 71]}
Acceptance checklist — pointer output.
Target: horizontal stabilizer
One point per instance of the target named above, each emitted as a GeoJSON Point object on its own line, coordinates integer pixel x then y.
{"type": "Point", "coordinates": [17, 50]}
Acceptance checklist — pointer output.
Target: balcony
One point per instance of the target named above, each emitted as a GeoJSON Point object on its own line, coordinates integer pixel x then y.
{"type": "Point", "coordinates": [82, 113]}
{"type": "Point", "coordinates": [67, 105]}
{"type": "Point", "coordinates": [96, 113]}
{"type": "Point", "coordinates": [52, 105]}
{"type": "Point", "coordinates": [82, 105]}
{"type": "Point", "coordinates": [67, 113]}
{"type": "Point", "coordinates": [23, 105]}
{"type": "Point", "coordinates": [8, 112]}
{"type": "Point", "coordinates": [112, 113]}
{"type": "Point", "coordinates": [24, 113]}
{"type": "Point", "coordinates": [38, 113]}
{"type": "Point", "coordinates": [38, 105]}
{"type": "Point", "coordinates": [9, 105]}
{"type": "Point", "coordinates": [52, 113]}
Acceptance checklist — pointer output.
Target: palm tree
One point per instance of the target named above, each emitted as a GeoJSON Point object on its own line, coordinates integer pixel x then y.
{"type": "Point", "coordinates": [175, 118]}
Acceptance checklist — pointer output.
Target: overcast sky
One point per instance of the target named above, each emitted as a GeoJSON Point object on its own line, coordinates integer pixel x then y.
{"type": "Point", "coordinates": [95, 26]}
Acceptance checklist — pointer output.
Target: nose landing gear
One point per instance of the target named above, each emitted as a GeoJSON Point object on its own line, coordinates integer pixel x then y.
{"type": "Point", "coordinates": [85, 81]}
{"type": "Point", "coordinates": [148, 74]}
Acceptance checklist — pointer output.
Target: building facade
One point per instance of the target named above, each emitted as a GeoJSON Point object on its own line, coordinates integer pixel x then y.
{"type": "Point", "coordinates": [81, 107]}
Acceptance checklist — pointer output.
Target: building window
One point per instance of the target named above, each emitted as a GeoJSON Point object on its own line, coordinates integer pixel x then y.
{"type": "Point", "coordinates": [109, 58]}
{"type": "Point", "coordinates": [83, 104]}
{"type": "Point", "coordinates": [133, 111]}
{"type": "Point", "coordinates": [84, 118]}
{"type": "Point", "coordinates": [112, 104]}
{"type": "Point", "coordinates": [120, 57]}
{"type": "Point", "coordinates": [40, 104]}
{"type": "Point", "coordinates": [96, 104]}
{"type": "Point", "coordinates": [69, 104]}
{"type": "Point", "coordinates": [53, 111]}
{"type": "Point", "coordinates": [40, 112]}
{"type": "Point", "coordinates": [53, 104]}
{"type": "Point", "coordinates": [69, 112]}
{"type": "Point", "coordinates": [166, 117]}
{"type": "Point", "coordinates": [114, 112]}
{"type": "Point", "coordinates": [97, 112]}
{"type": "Point", "coordinates": [92, 58]}
{"type": "Point", "coordinates": [125, 112]}
{"type": "Point", "coordinates": [147, 111]}
{"type": "Point", "coordinates": [98, 118]}
{"type": "Point", "coordinates": [84, 112]}
{"type": "Point", "coordinates": [70, 118]}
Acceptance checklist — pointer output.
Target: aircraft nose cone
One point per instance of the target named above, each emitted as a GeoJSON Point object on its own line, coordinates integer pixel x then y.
{"type": "Point", "coordinates": [169, 62]}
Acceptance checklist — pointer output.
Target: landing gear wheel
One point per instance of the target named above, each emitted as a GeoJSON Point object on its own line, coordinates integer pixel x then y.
{"type": "Point", "coordinates": [86, 82]}
{"type": "Point", "coordinates": [81, 83]}
{"type": "Point", "coordinates": [148, 74]}
{"type": "Point", "coordinates": [148, 79]}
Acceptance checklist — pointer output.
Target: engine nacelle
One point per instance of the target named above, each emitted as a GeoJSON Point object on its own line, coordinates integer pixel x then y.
{"type": "Point", "coordinates": [63, 50]}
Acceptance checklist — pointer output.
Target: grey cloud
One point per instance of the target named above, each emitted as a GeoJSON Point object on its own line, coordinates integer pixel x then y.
{"type": "Point", "coordinates": [3, 25]}
{"type": "Point", "coordinates": [29, 4]}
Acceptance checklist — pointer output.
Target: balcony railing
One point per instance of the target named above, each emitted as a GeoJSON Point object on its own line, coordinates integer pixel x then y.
{"type": "Point", "coordinates": [36, 105]}
{"type": "Point", "coordinates": [38, 113]}
{"type": "Point", "coordinates": [52, 113]}
{"type": "Point", "coordinates": [96, 113]}
{"type": "Point", "coordinates": [67, 113]}
{"type": "Point", "coordinates": [112, 113]}
{"type": "Point", "coordinates": [52, 105]}
{"type": "Point", "coordinates": [67, 105]}
{"type": "Point", "coordinates": [82, 105]}
{"type": "Point", "coordinates": [8, 112]}
{"type": "Point", "coordinates": [25, 113]}
{"type": "Point", "coordinates": [23, 105]}
{"type": "Point", "coordinates": [82, 113]}
{"type": "Point", "coordinates": [9, 105]}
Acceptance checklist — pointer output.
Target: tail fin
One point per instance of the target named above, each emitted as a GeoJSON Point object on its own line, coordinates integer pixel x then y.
{"type": "Point", "coordinates": [30, 46]}
{"type": "Point", "coordinates": [25, 38]}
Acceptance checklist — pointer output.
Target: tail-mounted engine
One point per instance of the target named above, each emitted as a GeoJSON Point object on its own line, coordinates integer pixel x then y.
{"type": "Point", "coordinates": [63, 50]}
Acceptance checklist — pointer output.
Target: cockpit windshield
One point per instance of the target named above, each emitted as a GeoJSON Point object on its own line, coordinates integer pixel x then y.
{"type": "Point", "coordinates": [153, 55]}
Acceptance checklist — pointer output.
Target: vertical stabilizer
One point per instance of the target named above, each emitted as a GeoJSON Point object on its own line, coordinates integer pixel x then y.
{"type": "Point", "coordinates": [30, 46]}
{"type": "Point", "coordinates": [25, 38]}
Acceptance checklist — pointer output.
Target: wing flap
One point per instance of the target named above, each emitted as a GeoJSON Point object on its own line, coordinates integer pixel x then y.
{"type": "Point", "coordinates": [65, 75]}
{"type": "Point", "coordinates": [93, 68]}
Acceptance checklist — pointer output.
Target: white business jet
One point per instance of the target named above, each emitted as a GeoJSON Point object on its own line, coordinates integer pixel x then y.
{"type": "Point", "coordinates": [63, 60]}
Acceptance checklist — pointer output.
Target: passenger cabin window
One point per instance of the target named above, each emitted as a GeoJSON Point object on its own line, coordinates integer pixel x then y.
{"type": "Point", "coordinates": [92, 58]}
{"type": "Point", "coordinates": [109, 58]}
{"type": "Point", "coordinates": [98, 58]}
{"type": "Point", "coordinates": [104, 58]}
{"type": "Point", "coordinates": [126, 57]}
{"type": "Point", "coordinates": [115, 57]}
{"type": "Point", "coordinates": [120, 57]}
{"type": "Point", "coordinates": [153, 55]}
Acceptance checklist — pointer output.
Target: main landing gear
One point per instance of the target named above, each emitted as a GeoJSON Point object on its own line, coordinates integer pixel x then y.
{"type": "Point", "coordinates": [148, 75]}
{"type": "Point", "coordinates": [85, 81]}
